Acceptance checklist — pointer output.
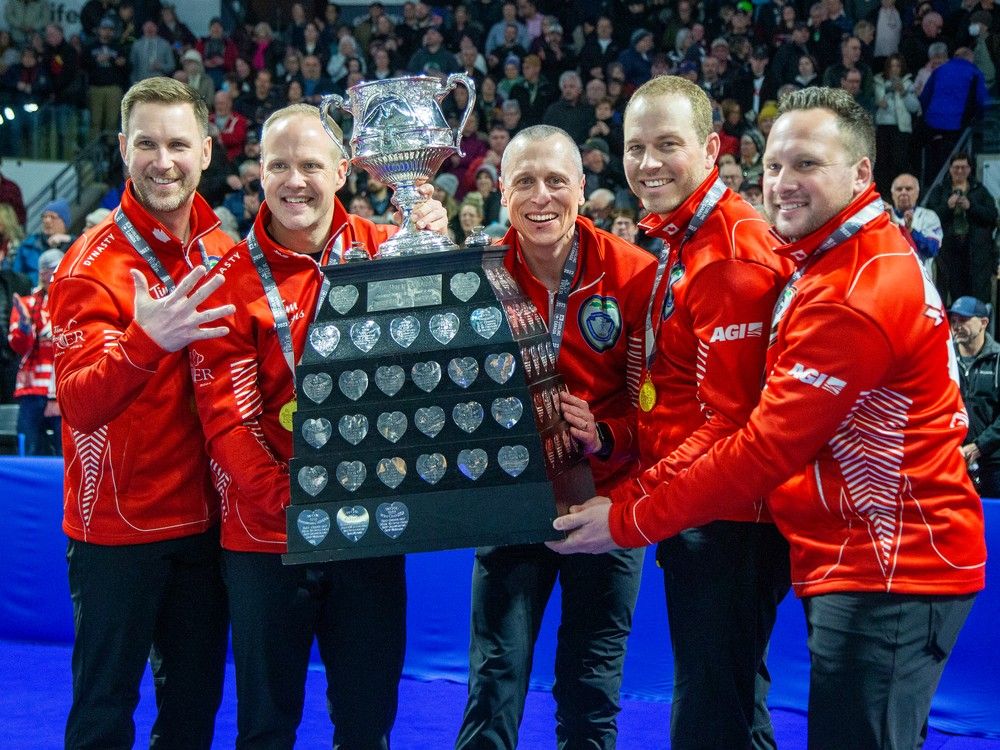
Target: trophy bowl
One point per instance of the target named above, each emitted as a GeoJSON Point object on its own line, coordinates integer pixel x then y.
{"type": "Point", "coordinates": [401, 138]}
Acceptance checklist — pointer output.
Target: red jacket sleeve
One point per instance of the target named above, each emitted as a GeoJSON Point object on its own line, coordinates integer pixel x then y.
{"type": "Point", "coordinates": [237, 136]}
{"type": "Point", "coordinates": [791, 423]}
{"type": "Point", "coordinates": [725, 294]}
{"type": "Point", "coordinates": [101, 366]}
{"type": "Point", "coordinates": [229, 405]}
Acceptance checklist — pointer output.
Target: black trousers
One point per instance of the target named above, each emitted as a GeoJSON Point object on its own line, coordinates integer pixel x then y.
{"type": "Point", "coordinates": [723, 584]}
{"type": "Point", "coordinates": [964, 268]}
{"type": "Point", "coordinates": [510, 589]}
{"type": "Point", "coordinates": [876, 660]}
{"type": "Point", "coordinates": [164, 602]}
{"type": "Point", "coordinates": [355, 610]}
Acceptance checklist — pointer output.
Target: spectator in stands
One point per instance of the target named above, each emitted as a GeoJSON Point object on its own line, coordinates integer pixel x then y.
{"type": "Point", "coordinates": [916, 41]}
{"type": "Point", "coordinates": [851, 81]}
{"type": "Point", "coordinates": [445, 187]}
{"type": "Point", "coordinates": [30, 336]}
{"type": "Point", "coordinates": [598, 208]}
{"type": "Point", "coordinates": [174, 31]}
{"type": "Point", "coordinates": [824, 36]}
{"type": "Point", "coordinates": [623, 225]}
{"type": "Point", "coordinates": [312, 44]}
{"type": "Point", "coordinates": [267, 51]}
{"type": "Point", "coordinates": [218, 52]}
{"type": "Point", "coordinates": [751, 151]}
{"type": "Point", "coordinates": [534, 93]}
{"type": "Point", "coordinates": [258, 105]}
{"type": "Point", "coordinates": [553, 50]}
{"type": "Point", "coordinates": [294, 33]}
{"type": "Point", "coordinates": [888, 30]}
{"type": "Point", "coordinates": [766, 117]}
{"type": "Point", "coordinates": [62, 62]}
{"type": "Point", "coordinates": [921, 225]}
{"type": "Point", "coordinates": [570, 113]}
{"type": "Point", "coordinates": [150, 55]}
{"type": "Point", "coordinates": [599, 171]}
{"type": "Point", "coordinates": [53, 235]}
{"type": "Point", "coordinates": [608, 126]}
{"type": "Point", "coordinates": [979, 362]}
{"type": "Point", "coordinates": [469, 216]}
{"type": "Point", "coordinates": [24, 18]}
{"type": "Point", "coordinates": [193, 73]}
{"type": "Point", "coordinates": [227, 127]}
{"type": "Point", "coordinates": [937, 55]}
{"type": "Point", "coordinates": [836, 15]}
{"type": "Point", "coordinates": [346, 50]}
{"type": "Point", "coordinates": [470, 61]}
{"type": "Point", "coordinates": [11, 283]}
{"type": "Point", "coordinates": [105, 63]}
{"type": "Point", "coordinates": [710, 80]}
{"type": "Point", "coordinates": [985, 44]}
{"type": "Point", "coordinates": [967, 263]}
{"type": "Point", "coordinates": [808, 74]}
{"type": "Point", "coordinates": [850, 59]}
{"type": "Point", "coordinates": [487, 185]}
{"type": "Point", "coordinates": [599, 49]}
{"type": "Point", "coordinates": [433, 53]}
{"type": "Point", "coordinates": [955, 95]}
{"type": "Point", "coordinates": [896, 104]}
{"type": "Point", "coordinates": [510, 116]}
{"type": "Point", "coordinates": [462, 25]}
{"type": "Point", "coordinates": [637, 61]}
{"type": "Point", "coordinates": [730, 173]}
{"type": "Point", "coordinates": [756, 84]}
{"type": "Point", "coordinates": [315, 85]}
{"type": "Point", "coordinates": [10, 193]}
{"type": "Point", "coordinates": [498, 35]}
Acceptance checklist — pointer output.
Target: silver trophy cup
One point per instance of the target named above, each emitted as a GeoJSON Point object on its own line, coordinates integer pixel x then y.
{"type": "Point", "coordinates": [401, 138]}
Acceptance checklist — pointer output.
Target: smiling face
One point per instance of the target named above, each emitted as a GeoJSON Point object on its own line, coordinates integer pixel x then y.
{"type": "Point", "coordinates": [809, 174]}
{"type": "Point", "coordinates": [301, 172]}
{"type": "Point", "coordinates": [165, 153]}
{"type": "Point", "coordinates": [542, 187]}
{"type": "Point", "coordinates": [665, 160]}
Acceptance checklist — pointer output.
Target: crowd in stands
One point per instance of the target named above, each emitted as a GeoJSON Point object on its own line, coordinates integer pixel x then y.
{"type": "Point", "coordinates": [923, 69]}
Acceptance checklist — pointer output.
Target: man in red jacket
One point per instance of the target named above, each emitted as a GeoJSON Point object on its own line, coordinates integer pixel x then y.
{"type": "Point", "coordinates": [855, 443]}
{"type": "Point", "coordinates": [245, 391]}
{"type": "Point", "coordinates": [717, 281]}
{"type": "Point", "coordinates": [139, 506]}
{"type": "Point", "coordinates": [591, 288]}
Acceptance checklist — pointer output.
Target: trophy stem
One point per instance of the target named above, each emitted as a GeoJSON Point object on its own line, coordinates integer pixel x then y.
{"type": "Point", "coordinates": [409, 240]}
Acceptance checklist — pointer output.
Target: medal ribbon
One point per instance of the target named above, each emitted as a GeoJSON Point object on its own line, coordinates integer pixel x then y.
{"type": "Point", "coordinates": [558, 326]}
{"type": "Point", "coordinates": [282, 327]}
{"type": "Point", "coordinates": [707, 205]}
{"type": "Point", "coordinates": [142, 247]}
{"type": "Point", "coordinates": [841, 234]}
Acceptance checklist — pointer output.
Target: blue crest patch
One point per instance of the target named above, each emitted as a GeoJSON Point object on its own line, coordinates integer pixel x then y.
{"type": "Point", "coordinates": [600, 322]}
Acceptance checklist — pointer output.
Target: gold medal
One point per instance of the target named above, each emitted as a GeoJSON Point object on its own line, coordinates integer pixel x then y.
{"type": "Point", "coordinates": [286, 414]}
{"type": "Point", "coordinates": [647, 394]}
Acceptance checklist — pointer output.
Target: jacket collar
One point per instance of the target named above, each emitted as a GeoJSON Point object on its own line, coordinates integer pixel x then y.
{"type": "Point", "coordinates": [161, 240]}
{"type": "Point", "coordinates": [803, 249]}
{"type": "Point", "coordinates": [671, 227]}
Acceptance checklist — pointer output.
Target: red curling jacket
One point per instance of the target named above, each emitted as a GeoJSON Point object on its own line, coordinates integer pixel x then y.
{"type": "Point", "coordinates": [34, 376]}
{"type": "Point", "coordinates": [710, 351]}
{"type": "Point", "coordinates": [855, 441]}
{"type": "Point", "coordinates": [136, 468]}
{"type": "Point", "coordinates": [612, 280]}
{"type": "Point", "coordinates": [242, 380]}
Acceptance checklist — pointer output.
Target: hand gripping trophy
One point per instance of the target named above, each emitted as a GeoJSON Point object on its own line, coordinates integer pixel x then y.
{"type": "Point", "coordinates": [401, 138]}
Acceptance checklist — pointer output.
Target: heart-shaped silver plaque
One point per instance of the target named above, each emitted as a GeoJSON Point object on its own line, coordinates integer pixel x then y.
{"type": "Point", "coordinates": [324, 338]}
{"type": "Point", "coordinates": [431, 467]}
{"type": "Point", "coordinates": [486, 321]}
{"type": "Point", "coordinates": [343, 298]}
{"type": "Point", "coordinates": [313, 525]}
{"type": "Point", "coordinates": [351, 474]}
{"type": "Point", "coordinates": [465, 285]}
{"type": "Point", "coordinates": [463, 371]}
{"type": "Point", "coordinates": [317, 432]}
{"type": "Point", "coordinates": [392, 518]}
{"type": "Point", "coordinates": [392, 425]}
{"type": "Point", "coordinates": [500, 367]}
{"type": "Point", "coordinates": [404, 331]}
{"type": "Point", "coordinates": [513, 459]}
{"type": "Point", "coordinates": [426, 375]}
{"type": "Point", "coordinates": [429, 420]}
{"type": "Point", "coordinates": [317, 386]}
{"type": "Point", "coordinates": [391, 471]}
{"type": "Point", "coordinates": [507, 411]}
{"type": "Point", "coordinates": [444, 326]}
{"type": "Point", "coordinates": [352, 520]}
{"type": "Point", "coordinates": [389, 379]}
{"type": "Point", "coordinates": [353, 383]}
{"type": "Point", "coordinates": [365, 335]}
{"type": "Point", "coordinates": [468, 416]}
{"type": "Point", "coordinates": [313, 479]}
{"type": "Point", "coordinates": [353, 428]}
{"type": "Point", "coordinates": [472, 462]}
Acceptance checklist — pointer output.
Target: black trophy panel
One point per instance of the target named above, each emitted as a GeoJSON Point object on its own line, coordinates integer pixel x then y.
{"type": "Point", "coordinates": [428, 413]}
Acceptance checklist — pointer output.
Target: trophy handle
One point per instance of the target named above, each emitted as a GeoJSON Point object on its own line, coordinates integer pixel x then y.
{"type": "Point", "coordinates": [453, 80]}
{"type": "Point", "coordinates": [326, 104]}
